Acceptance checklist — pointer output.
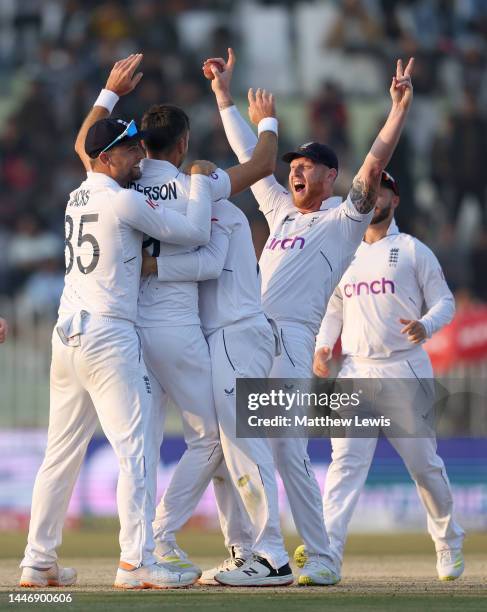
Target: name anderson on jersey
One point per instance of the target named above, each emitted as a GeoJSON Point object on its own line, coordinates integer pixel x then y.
{"type": "Point", "coordinates": [166, 191]}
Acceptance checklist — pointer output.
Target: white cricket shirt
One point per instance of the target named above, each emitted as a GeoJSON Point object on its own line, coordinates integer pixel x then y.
{"type": "Point", "coordinates": [171, 303]}
{"type": "Point", "coordinates": [306, 254]}
{"type": "Point", "coordinates": [103, 242]}
{"type": "Point", "coordinates": [397, 277]}
{"type": "Point", "coordinates": [227, 265]}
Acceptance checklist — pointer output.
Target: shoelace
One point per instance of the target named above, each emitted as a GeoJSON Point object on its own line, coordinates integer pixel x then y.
{"type": "Point", "coordinates": [229, 563]}
{"type": "Point", "coordinates": [446, 557]}
{"type": "Point", "coordinates": [178, 552]}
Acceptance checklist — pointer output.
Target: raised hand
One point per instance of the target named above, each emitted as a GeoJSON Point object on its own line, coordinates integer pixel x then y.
{"type": "Point", "coordinates": [122, 79]}
{"type": "Point", "coordinates": [261, 105]}
{"type": "Point", "coordinates": [220, 73]}
{"type": "Point", "coordinates": [402, 88]}
{"type": "Point", "coordinates": [320, 362]}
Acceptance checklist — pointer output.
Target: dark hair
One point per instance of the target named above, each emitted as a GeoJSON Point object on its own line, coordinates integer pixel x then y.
{"type": "Point", "coordinates": [163, 126]}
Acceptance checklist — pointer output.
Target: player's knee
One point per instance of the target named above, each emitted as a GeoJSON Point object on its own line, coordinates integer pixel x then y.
{"type": "Point", "coordinates": [134, 467]}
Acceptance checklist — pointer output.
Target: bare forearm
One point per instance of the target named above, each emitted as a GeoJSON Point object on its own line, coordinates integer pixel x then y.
{"type": "Point", "coordinates": [96, 113]}
{"type": "Point", "coordinates": [365, 185]}
{"type": "Point", "coordinates": [261, 164]}
{"type": "Point", "coordinates": [387, 139]}
{"type": "Point", "coordinates": [223, 100]}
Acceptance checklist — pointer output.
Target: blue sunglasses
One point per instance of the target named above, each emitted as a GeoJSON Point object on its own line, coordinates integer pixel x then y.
{"type": "Point", "coordinates": [129, 131]}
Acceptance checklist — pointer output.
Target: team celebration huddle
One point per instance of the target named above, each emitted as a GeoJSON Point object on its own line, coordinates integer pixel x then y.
{"type": "Point", "coordinates": [164, 300]}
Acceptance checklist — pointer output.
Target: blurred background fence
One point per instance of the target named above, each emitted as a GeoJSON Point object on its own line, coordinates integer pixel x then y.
{"type": "Point", "coordinates": [330, 63]}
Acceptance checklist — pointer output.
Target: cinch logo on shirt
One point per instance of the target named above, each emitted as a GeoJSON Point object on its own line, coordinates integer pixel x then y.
{"type": "Point", "coordinates": [375, 287]}
{"type": "Point", "coordinates": [287, 243]}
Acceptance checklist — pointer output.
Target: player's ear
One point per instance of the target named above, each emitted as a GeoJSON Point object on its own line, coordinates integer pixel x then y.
{"type": "Point", "coordinates": [104, 158]}
{"type": "Point", "coordinates": [332, 174]}
{"type": "Point", "coordinates": [395, 201]}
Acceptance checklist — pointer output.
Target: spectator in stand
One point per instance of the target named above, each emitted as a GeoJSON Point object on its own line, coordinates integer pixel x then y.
{"type": "Point", "coordinates": [30, 246]}
{"type": "Point", "coordinates": [469, 152]}
{"type": "Point", "coordinates": [357, 27]}
{"type": "Point", "coordinates": [3, 330]}
{"type": "Point", "coordinates": [328, 119]}
{"type": "Point", "coordinates": [478, 266]}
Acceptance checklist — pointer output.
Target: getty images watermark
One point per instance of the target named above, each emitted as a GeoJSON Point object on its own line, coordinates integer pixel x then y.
{"type": "Point", "coordinates": [339, 408]}
{"type": "Point", "coordinates": [293, 402]}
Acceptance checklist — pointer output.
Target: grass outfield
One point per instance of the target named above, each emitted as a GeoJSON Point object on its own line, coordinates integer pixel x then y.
{"type": "Point", "coordinates": [380, 573]}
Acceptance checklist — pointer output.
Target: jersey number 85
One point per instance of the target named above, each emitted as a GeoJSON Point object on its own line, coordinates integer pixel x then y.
{"type": "Point", "coordinates": [82, 239]}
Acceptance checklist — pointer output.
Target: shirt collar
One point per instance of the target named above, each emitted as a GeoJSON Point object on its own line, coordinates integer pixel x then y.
{"type": "Point", "coordinates": [392, 229]}
{"type": "Point", "coordinates": [153, 167]}
{"type": "Point", "coordinates": [98, 178]}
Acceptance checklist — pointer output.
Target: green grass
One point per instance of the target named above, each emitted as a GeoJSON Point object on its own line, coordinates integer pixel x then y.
{"type": "Point", "coordinates": [252, 602]}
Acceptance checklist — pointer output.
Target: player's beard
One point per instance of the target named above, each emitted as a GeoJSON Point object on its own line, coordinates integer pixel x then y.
{"type": "Point", "coordinates": [381, 215]}
{"type": "Point", "coordinates": [135, 173]}
{"type": "Point", "coordinates": [309, 200]}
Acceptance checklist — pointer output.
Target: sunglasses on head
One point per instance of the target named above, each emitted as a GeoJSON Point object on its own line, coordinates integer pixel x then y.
{"type": "Point", "coordinates": [129, 131]}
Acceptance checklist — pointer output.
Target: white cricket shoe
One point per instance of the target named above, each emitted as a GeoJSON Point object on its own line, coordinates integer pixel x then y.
{"type": "Point", "coordinates": [449, 563]}
{"type": "Point", "coordinates": [257, 571]}
{"type": "Point", "coordinates": [154, 576]}
{"type": "Point", "coordinates": [175, 559]}
{"type": "Point", "coordinates": [316, 572]}
{"type": "Point", "coordinates": [230, 564]}
{"type": "Point", "coordinates": [54, 576]}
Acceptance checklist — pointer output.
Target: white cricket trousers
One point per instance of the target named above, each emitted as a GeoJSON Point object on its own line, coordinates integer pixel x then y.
{"type": "Point", "coordinates": [290, 456]}
{"type": "Point", "coordinates": [351, 459]}
{"type": "Point", "coordinates": [178, 359]}
{"type": "Point", "coordinates": [246, 350]}
{"type": "Point", "coordinates": [103, 377]}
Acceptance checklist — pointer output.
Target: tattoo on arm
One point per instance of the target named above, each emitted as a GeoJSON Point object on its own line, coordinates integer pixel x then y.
{"type": "Point", "coordinates": [363, 195]}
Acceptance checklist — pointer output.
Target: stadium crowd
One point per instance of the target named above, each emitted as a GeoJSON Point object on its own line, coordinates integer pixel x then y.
{"type": "Point", "coordinates": [55, 56]}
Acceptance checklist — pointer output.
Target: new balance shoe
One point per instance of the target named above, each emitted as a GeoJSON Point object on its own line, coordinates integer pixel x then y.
{"type": "Point", "coordinates": [175, 559]}
{"type": "Point", "coordinates": [449, 563]}
{"type": "Point", "coordinates": [154, 576]}
{"type": "Point", "coordinates": [256, 572]}
{"type": "Point", "coordinates": [230, 564]}
{"type": "Point", "coordinates": [316, 572]}
{"type": "Point", "coordinates": [54, 576]}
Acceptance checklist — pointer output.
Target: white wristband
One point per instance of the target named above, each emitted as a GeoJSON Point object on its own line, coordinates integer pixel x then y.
{"type": "Point", "coordinates": [268, 124]}
{"type": "Point", "coordinates": [107, 99]}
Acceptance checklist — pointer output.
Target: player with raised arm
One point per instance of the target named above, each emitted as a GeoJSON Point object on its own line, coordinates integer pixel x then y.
{"type": "Point", "coordinates": [97, 368]}
{"type": "Point", "coordinates": [377, 311]}
{"type": "Point", "coordinates": [175, 348]}
{"type": "Point", "coordinates": [313, 237]}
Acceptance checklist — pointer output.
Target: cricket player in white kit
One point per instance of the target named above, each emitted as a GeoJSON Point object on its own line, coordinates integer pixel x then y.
{"type": "Point", "coordinates": [392, 297]}
{"type": "Point", "coordinates": [176, 351]}
{"type": "Point", "coordinates": [242, 345]}
{"type": "Point", "coordinates": [97, 368]}
{"type": "Point", "coordinates": [313, 237]}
